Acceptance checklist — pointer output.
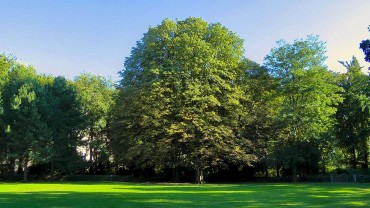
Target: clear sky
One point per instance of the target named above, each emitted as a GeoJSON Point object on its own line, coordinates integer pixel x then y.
{"type": "Point", "coordinates": [68, 37]}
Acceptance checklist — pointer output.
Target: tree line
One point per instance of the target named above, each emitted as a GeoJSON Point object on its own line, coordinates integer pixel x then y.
{"type": "Point", "coordinates": [189, 106]}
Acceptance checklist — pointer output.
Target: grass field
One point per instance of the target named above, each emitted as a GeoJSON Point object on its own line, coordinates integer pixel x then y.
{"type": "Point", "coordinates": [109, 195]}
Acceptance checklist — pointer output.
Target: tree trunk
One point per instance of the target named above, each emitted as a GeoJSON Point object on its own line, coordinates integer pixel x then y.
{"type": "Point", "coordinates": [294, 161]}
{"type": "Point", "coordinates": [266, 163]}
{"type": "Point", "coordinates": [354, 159]}
{"type": "Point", "coordinates": [266, 173]}
{"type": "Point", "coordinates": [91, 148]}
{"type": "Point", "coordinates": [294, 169]}
{"type": "Point", "coordinates": [11, 168]}
{"type": "Point", "coordinates": [52, 170]}
{"type": "Point", "coordinates": [366, 159]}
{"type": "Point", "coordinates": [294, 165]}
{"type": "Point", "coordinates": [25, 172]}
{"type": "Point", "coordinates": [199, 177]}
{"type": "Point", "coordinates": [175, 174]}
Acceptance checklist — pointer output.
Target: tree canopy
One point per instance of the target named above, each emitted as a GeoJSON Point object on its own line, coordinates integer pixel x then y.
{"type": "Point", "coordinates": [189, 107]}
{"type": "Point", "coordinates": [96, 95]}
{"type": "Point", "coordinates": [352, 129]}
{"type": "Point", "coordinates": [308, 89]}
{"type": "Point", "coordinates": [180, 100]}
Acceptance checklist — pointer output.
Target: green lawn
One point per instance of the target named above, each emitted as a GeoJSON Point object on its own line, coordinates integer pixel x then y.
{"type": "Point", "coordinates": [106, 195]}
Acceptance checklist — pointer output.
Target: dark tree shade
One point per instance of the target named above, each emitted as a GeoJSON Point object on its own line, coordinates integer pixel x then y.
{"type": "Point", "coordinates": [365, 46]}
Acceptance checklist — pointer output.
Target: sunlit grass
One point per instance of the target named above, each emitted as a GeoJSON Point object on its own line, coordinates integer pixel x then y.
{"type": "Point", "coordinates": [76, 195]}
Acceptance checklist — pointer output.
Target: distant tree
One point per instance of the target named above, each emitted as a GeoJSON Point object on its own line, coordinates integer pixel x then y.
{"type": "Point", "coordinates": [62, 110]}
{"type": "Point", "coordinates": [5, 65]}
{"type": "Point", "coordinates": [96, 95]}
{"type": "Point", "coordinates": [41, 121]}
{"type": "Point", "coordinates": [365, 46]}
{"type": "Point", "coordinates": [309, 93]}
{"type": "Point", "coordinates": [261, 107]}
{"type": "Point", "coordinates": [21, 117]}
{"type": "Point", "coordinates": [179, 102]}
{"type": "Point", "coordinates": [353, 126]}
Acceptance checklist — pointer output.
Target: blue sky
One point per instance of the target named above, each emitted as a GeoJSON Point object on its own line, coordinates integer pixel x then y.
{"type": "Point", "coordinates": [68, 37]}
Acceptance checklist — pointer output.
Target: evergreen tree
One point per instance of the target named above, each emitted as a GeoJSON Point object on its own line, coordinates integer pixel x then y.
{"type": "Point", "coordinates": [66, 122]}
{"type": "Point", "coordinates": [5, 65]}
{"type": "Point", "coordinates": [21, 117]}
{"type": "Point", "coordinates": [42, 121]}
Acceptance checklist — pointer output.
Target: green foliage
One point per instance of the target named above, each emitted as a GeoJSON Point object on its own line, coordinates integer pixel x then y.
{"type": "Point", "coordinates": [96, 95]}
{"type": "Point", "coordinates": [353, 115]}
{"type": "Point", "coordinates": [261, 107]}
{"type": "Point", "coordinates": [5, 65]}
{"type": "Point", "coordinates": [189, 101]}
{"type": "Point", "coordinates": [308, 90]}
{"type": "Point", "coordinates": [21, 116]}
{"type": "Point", "coordinates": [179, 102]}
{"type": "Point", "coordinates": [42, 121]}
{"type": "Point", "coordinates": [62, 112]}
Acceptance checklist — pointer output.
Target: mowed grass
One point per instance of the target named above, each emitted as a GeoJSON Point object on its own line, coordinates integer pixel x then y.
{"type": "Point", "coordinates": [109, 195]}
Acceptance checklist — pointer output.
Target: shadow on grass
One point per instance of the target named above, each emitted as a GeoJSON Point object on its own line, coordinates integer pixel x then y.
{"type": "Point", "coordinates": [142, 195]}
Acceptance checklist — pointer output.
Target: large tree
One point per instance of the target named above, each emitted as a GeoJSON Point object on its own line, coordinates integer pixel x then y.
{"type": "Point", "coordinates": [41, 121]}
{"type": "Point", "coordinates": [309, 93]}
{"type": "Point", "coordinates": [353, 126]}
{"type": "Point", "coordinates": [5, 65]}
{"type": "Point", "coordinates": [24, 128]}
{"type": "Point", "coordinates": [260, 112]}
{"type": "Point", "coordinates": [96, 95]}
{"type": "Point", "coordinates": [179, 101]}
{"type": "Point", "coordinates": [61, 109]}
